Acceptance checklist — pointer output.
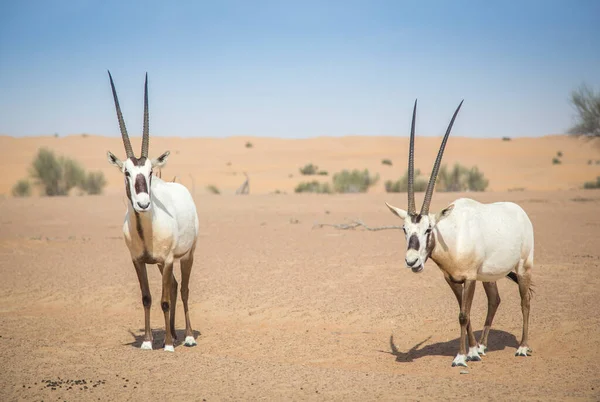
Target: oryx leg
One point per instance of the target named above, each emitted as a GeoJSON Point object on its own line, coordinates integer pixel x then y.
{"type": "Point", "coordinates": [491, 291]}
{"type": "Point", "coordinates": [524, 278]}
{"type": "Point", "coordinates": [186, 269]}
{"type": "Point", "coordinates": [167, 302]}
{"type": "Point", "coordinates": [142, 274]}
{"type": "Point", "coordinates": [173, 302]}
{"type": "Point", "coordinates": [461, 291]}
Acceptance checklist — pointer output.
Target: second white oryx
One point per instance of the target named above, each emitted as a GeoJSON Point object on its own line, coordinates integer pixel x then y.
{"type": "Point", "coordinates": [161, 227]}
{"type": "Point", "coordinates": [469, 242]}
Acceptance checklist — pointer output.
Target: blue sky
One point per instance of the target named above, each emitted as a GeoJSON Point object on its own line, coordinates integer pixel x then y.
{"type": "Point", "coordinates": [296, 69]}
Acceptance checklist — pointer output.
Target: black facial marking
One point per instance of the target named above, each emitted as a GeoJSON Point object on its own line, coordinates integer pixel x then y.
{"type": "Point", "coordinates": [413, 243]}
{"type": "Point", "coordinates": [138, 162]}
{"type": "Point", "coordinates": [430, 243]}
{"type": "Point", "coordinates": [140, 184]}
{"type": "Point", "coordinates": [416, 218]}
{"type": "Point", "coordinates": [127, 188]}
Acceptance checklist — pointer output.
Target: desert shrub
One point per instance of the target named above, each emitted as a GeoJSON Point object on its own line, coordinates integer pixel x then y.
{"type": "Point", "coordinates": [590, 162]}
{"type": "Point", "coordinates": [249, 145]}
{"type": "Point", "coordinates": [48, 171]}
{"type": "Point", "coordinates": [73, 174]}
{"type": "Point", "coordinates": [592, 184]}
{"type": "Point", "coordinates": [559, 154]}
{"type": "Point", "coordinates": [58, 175]}
{"type": "Point", "coordinates": [309, 169]}
{"type": "Point", "coordinates": [587, 105]}
{"type": "Point", "coordinates": [401, 185]}
{"type": "Point", "coordinates": [213, 189]}
{"type": "Point", "coordinates": [556, 161]}
{"type": "Point", "coordinates": [355, 181]}
{"type": "Point", "coordinates": [461, 178]}
{"type": "Point", "coordinates": [476, 181]}
{"type": "Point", "coordinates": [313, 187]}
{"type": "Point", "coordinates": [22, 188]}
{"type": "Point", "coordinates": [386, 162]}
{"type": "Point", "coordinates": [506, 138]}
{"type": "Point", "coordinates": [94, 183]}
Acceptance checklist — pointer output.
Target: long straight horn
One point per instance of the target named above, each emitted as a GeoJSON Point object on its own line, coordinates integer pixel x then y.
{"type": "Point", "coordinates": [412, 209]}
{"type": "Point", "coordinates": [124, 135]}
{"type": "Point", "coordinates": [436, 166]}
{"type": "Point", "coordinates": [146, 134]}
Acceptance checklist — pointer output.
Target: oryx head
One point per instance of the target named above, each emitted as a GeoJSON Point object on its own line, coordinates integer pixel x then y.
{"type": "Point", "coordinates": [137, 171]}
{"type": "Point", "coordinates": [418, 227]}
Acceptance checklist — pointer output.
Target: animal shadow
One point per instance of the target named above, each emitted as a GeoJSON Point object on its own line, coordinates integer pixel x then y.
{"type": "Point", "coordinates": [497, 340]}
{"type": "Point", "coordinates": [158, 338]}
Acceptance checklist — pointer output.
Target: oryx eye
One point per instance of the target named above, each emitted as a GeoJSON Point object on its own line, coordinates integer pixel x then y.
{"type": "Point", "coordinates": [127, 173]}
{"type": "Point", "coordinates": [404, 229]}
{"type": "Point", "coordinates": [428, 231]}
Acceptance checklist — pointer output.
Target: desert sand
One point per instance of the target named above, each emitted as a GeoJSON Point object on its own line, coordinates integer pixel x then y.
{"type": "Point", "coordinates": [284, 310]}
{"type": "Point", "coordinates": [272, 164]}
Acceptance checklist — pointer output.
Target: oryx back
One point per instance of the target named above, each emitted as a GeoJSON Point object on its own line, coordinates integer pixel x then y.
{"type": "Point", "coordinates": [493, 237]}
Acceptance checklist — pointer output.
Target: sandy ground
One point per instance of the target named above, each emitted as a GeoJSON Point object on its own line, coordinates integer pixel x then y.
{"type": "Point", "coordinates": [272, 164]}
{"type": "Point", "coordinates": [285, 311]}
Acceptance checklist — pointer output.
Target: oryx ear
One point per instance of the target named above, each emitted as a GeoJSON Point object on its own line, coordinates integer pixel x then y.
{"type": "Point", "coordinates": [161, 160]}
{"type": "Point", "coordinates": [397, 211]}
{"type": "Point", "coordinates": [444, 213]}
{"type": "Point", "coordinates": [113, 160]}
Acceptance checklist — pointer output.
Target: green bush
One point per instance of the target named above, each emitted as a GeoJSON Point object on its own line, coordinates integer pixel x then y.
{"type": "Point", "coordinates": [48, 171]}
{"type": "Point", "coordinates": [313, 187]}
{"type": "Point", "coordinates": [401, 185]}
{"type": "Point", "coordinates": [556, 161]}
{"type": "Point", "coordinates": [309, 169]}
{"type": "Point", "coordinates": [94, 183]}
{"type": "Point", "coordinates": [461, 178]}
{"type": "Point", "coordinates": [476, 181]}
{"type": "Point", "coordinates": [559, 154]}
{"type": "Point", "coordinates": [591, 184]}
{"type": "Point", "coordinates": [354, 181]}
{"type": "Point", "coordinates": [58, 175]}
{"type": "Point", "coordinates": [249, 145]}
{"type": "Point", "coordinates": [506, 138]}
{"type": "Point", "coordinates": [22, 188]}
{"type": "Point", "coordinates": [386, 162]}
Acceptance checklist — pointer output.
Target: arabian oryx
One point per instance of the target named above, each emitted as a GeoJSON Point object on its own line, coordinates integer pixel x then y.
{"type": "Point", "coordinates": [161, 227]}
{"type": "Point", "coordinates": [469, 242]}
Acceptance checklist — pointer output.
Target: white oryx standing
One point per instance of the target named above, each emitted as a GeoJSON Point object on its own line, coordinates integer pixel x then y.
{"type": "Point", "coordinates": [161, 227]}
{"type": "Point", "coordinates": [470, 242]}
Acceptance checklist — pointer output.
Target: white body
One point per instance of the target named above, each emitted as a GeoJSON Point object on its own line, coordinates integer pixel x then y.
{"type": "Point", "coordinates": [495, 238]}
{"type": "Point", "coordinates": [170, 226]}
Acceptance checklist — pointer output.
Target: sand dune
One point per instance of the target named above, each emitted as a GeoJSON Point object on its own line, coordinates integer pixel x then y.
{"type": "Point", "coordinates": [522, 163]}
